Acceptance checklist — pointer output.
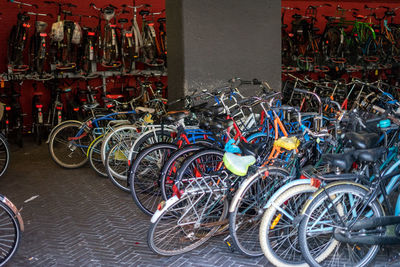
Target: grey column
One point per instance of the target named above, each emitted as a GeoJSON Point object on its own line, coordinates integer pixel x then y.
{"type": "Point", "coordinates": [211, 41]}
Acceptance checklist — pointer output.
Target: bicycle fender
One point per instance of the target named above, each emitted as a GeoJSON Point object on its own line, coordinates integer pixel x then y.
{"type": "Point", "coordinates": [14, 209]}
{"type": "Point", "coordinates": [171, 201]}
{"type": "Point", "coordinates": [57, 126]}
{"type": "Point", "coordinates": [285, 188]}
{"type": "Point", "coordinates": [236, 197]}
{"type": "Point", "coordinates": [308, 202]}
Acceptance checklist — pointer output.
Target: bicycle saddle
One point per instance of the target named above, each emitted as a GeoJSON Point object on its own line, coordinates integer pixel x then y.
{"type": "Point", "coordinates": [40, 25]}
{"type": "Point", "coordinates": [370, 155]}
{"type": "Point", "coordinates": [204, 124]}
{"type": "Point", "coordinates": [144, 12]}
{"type": "Point", "coordinates": [221, 124]}
{"type": "Point", "coordinates": [297, 16]}
{"type": "Point", "coordinates": [251, 149]}
{"type": "Point", "coordinates": [114, 96]}
{"type": "Point", "coordinates": [342, 161]}
{"type": "Point", "coordinates": [362, 140]}
{"type": "Point", "coordinates": [288, 143]}
{"type": "Point", "coordinates": [162, 20]}
{"type": "Point", "coordinates": [69, 24]}
{"type": "Point", "coordinates": [214, 110]}
{"type": "Point", "coordinates": [173, 116]}
{"type": "Point", "coordinates": [199, 107]}
{"type": "Point", "coordinates": [23, 17]}
{"type": "Point", "coordinates": [238, 164]}
{"type": "Point", "coordinates": [90, 106]}
{"type": "Point", "coordinates": [123, 21]}
{"type": "Point", "coordinates": [146, 110]}
{"type": "Point", "coordinates": [390, 14]}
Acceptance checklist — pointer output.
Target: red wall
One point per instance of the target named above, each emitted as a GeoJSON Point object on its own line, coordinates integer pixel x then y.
{"type": "Point", "coordinates": [9, 17]}
{"type": "Point", "coordinates": [331, 11]}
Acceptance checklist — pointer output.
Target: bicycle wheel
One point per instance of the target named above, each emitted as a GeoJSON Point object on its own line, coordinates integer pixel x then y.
{"type": "Point", "coordinates": [4, 154]}
{"type": "Point", "coordinates": [328, 212]}
{"type": "Point", "coordinates": [94, 156]}
{"type": "Point", "coordinates": [206, 163]}
{"type": "Point", "coordinates": [116, 164]}
{"type": "Point", "coordinates": [172, 165]}
{"type": "Point", "coordinates": [188, 223]}
{"type": "Point", "coordinates": [247, 207]}
{"type": "Point", "coordinates": [10, 233]}
{"type": "Point", "coordinates": [127, 54]}
{"type": "Point", "coordinates": [68, 153]}
{"type": "Point", "coordinates": [149, 138]}
{"type": "Point", "coordinates": [116, 135]}
{"type": "Point", "coordinates": [278, 228]}
{"type": "Point", "coordinates": [144, 176]}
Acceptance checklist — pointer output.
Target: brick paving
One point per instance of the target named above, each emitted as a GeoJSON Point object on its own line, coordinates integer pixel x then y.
{"type": "Point", "coordinates": [81, 219]}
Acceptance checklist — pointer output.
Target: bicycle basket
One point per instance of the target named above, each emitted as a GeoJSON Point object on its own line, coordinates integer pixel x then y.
{"type": "Point", "coordinates": [77, 34]}
{"type": "Point", "coordinates": [57, 31]}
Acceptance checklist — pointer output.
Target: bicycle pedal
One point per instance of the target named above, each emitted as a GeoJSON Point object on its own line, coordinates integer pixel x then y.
{"type": "Point", "coordinates": [228, 243]}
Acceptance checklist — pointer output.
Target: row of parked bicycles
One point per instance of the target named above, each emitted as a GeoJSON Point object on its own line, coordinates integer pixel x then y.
{"type": "Point", "coordinates": [312, 182]}
{"type": "Point", "coordinates": [352, 39]}
{"type": "Point", "coordinates": [117, 42]}
{"type": "Point", "coordinates": [11, 222]}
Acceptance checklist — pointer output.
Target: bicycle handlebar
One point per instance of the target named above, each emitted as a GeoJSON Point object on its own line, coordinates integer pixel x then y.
{"type": "Point", "coordinates": [23, 4]}
{"type": "Point", "coordinates": [39, 14]}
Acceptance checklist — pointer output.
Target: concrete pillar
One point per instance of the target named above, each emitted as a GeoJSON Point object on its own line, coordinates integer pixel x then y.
{"type": "Point", "coordinates": [211, 41]}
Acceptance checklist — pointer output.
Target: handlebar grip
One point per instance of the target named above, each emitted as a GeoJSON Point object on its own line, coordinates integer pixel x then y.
{"type": "Point", "coordinates": [144, 12]}
{"type": "Point", "coordinates": [256, 82]}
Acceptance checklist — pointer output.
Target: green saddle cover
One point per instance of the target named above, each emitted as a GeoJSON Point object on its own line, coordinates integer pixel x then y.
{"type": "Point", "coordinates": [238, 164]}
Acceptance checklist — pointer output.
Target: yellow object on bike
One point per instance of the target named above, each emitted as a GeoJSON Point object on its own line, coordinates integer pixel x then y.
{"type": "Point", "coordinates": [288, 143]}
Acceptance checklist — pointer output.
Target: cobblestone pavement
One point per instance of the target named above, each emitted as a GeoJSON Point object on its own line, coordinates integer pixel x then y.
{"type": "Point", "coordinates": [81, 219]}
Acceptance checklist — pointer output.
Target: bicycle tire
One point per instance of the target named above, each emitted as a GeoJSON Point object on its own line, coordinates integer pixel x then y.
{"type": "Point", "coordinates": [149, 138]}
{"type": "Point", "coordinates": [202, 164]}
{"type": "Point", "coordinates": [247, 208]}
{"type": "Point", "coordinates": [171, 166]}
{"type": "Point", "coordinates": [9, 227]}
{"type": "Point", "coordinates": [145, 189]}
{"type": "Point", "coordinates": [117, 166]}
{"type": "Point", "coordinates": [4, 154]}
{"type": "Point", "coordinates": [94, 156]}
{"type": "Point", "coordinates": [79, 152]}
{"type": "Point", "coordinates": [174, 239]}
{"type": "Point", "coordinates": [272, 219]}
{"type": "Point", "coordinates": [331, 191]}
{"type": "Point", "coordinates": [127, 55]}
{"type": "Point", "coordinates": [115, 135]}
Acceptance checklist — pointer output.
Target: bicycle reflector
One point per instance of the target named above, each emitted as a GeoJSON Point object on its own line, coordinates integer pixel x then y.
{"type": "Point", "coordinates": [128, 34]}
{"type": "Point", "coordinates": [76, 109]}
{"type": "Point", "coordinates": [161, 205]}
{"type": "Point", "coordinates": [151, 24]}
{"type": "Point", "coordinates": [39, 106]}
{"type": "Point", "coordinates": [8, 108]}
{"type": "Point", "coordinates": [59, 107]}
{"type": "Point", "coordinates": [43, 34]}
{"type": "Point", "coordinates": [90, 33]}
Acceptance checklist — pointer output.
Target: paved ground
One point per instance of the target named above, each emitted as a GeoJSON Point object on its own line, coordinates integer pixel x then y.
{"type": "Point", "coordinates": [81, 219]}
